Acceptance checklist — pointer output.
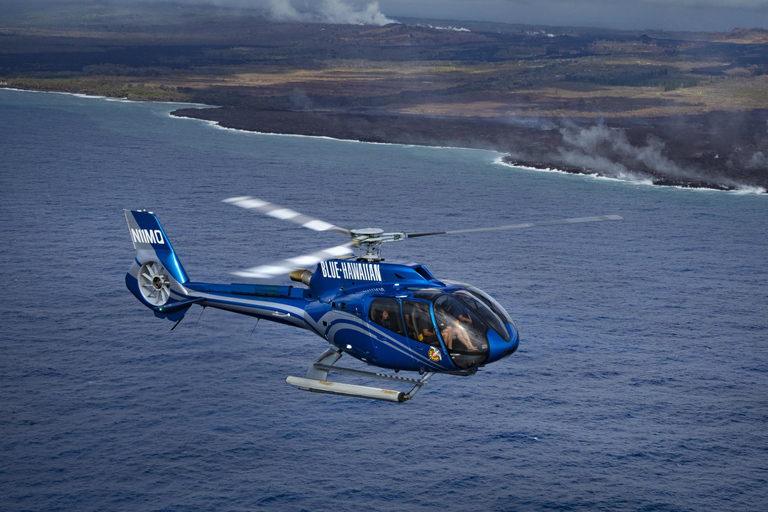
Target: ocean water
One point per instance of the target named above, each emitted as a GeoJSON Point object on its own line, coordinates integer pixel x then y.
{"type": "Point", "coordinates": [641, 382]}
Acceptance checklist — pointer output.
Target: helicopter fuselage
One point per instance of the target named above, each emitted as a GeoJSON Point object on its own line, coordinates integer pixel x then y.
{"type": "Point", "coordinates": [387, 315]}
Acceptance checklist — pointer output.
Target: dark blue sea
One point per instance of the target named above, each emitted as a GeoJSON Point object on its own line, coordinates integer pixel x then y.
{"type": "Point", "coordinates": [641, 382]}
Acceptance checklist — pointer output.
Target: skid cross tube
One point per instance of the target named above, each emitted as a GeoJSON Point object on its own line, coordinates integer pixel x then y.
{"type": "Point", "coordinates": [317, 380]}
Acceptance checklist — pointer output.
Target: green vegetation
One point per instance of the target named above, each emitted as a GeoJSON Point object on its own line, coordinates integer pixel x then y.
{"type": "Point", "coordinates": [101, 86]}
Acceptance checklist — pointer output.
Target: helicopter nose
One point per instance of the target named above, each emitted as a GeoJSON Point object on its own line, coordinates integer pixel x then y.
{"type": "Point", "coordinates": [499, 347]}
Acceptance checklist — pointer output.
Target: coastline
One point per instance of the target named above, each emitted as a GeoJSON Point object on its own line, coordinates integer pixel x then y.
{"type": "Point", "coordinates": [526, 142]}
{"type": "Point", "coordinates": [108, 98]}
{"type": "Point", "coordinates": [535, 143]}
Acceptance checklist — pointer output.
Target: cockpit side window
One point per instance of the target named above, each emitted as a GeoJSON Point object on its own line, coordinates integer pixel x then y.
{"type": "Point", "coordinates": [418, 322]}
{"type": "Point", "coordinates": [386, 313]}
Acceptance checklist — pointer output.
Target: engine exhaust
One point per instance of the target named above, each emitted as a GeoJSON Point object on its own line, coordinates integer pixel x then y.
{"type": "Point", "coordinates": [301, 276]}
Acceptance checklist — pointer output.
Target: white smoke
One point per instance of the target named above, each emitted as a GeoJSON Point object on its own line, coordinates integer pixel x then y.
{"type": "Point", "coordinates": [608, 152]}
{"type": "Point", "coordinates": [329, 11]}
{"type": "Point", "coordinates": [758, 161]}
{"type": "Point", "coordinates": [602, 148]}
{"type": "Point", "coordinates": [282, 10]}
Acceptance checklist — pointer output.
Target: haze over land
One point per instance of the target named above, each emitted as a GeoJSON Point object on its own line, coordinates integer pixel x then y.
{"type": "Point", "coordinates": [686, 108]}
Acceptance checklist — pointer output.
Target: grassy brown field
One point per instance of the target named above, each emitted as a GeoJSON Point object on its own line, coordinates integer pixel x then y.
{"type": "Point", "coordinates": [194, 53]}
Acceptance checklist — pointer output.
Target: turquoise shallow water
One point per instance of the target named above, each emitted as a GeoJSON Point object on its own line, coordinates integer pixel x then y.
{"type": "Point", "coordinates": [640, 384]}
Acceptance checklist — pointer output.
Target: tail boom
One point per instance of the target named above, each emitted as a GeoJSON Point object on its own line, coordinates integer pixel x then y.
{"type": "Point", "coordinates": [160, 282]}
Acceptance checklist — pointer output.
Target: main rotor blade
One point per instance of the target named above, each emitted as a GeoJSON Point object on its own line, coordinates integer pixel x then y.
{"type": "Point", "coordinates": [278, 212]}
{"type": "Point", "coordinates": [287, 265]}
{"type": "Point", "coordinates": [579, 220]}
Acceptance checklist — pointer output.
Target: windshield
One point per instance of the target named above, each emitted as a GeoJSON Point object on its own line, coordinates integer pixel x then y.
{"type": "Point", "coordinates": [482, 308]}
{"type": "Point", "coordinates": [463, 317]}
{"type": "Point", "coordinates": [489, 301]}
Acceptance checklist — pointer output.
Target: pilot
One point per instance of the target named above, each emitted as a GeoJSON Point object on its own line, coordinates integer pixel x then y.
{"type": "Point", "coordinates": [461, 334]}
{"type": "Point", "coordinates": [452, 328]}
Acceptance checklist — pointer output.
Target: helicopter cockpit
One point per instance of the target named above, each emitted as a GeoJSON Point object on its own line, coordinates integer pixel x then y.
{"type": "Point", "coordinates": [462, 318]}
{"type": "Point", "coordinates": [464, 332]}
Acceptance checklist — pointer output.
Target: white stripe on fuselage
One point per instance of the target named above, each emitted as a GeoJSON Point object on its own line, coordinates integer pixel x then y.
{"type": "Point", "coordinates": [363, 327]}
{"type": "Point", "coordinates": [412, 351]}
{"type": "Point", "coordinates": [269, 306]}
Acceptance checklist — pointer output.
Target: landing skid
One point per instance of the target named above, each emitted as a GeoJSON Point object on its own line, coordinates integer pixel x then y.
{"type": "Point", "coordinates": [317, 380]}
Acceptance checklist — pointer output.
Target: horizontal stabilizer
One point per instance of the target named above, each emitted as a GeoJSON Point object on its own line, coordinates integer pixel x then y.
{"type": "Point", "coordinates": [176, 306]}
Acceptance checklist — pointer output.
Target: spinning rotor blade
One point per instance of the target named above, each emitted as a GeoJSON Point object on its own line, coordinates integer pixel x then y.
{"type": "Point", "coordinates": [278, 212]}
{"type": "Point", "coordinates": [287, 265]}
{"type": "Point", "coordinates": [525, 225]}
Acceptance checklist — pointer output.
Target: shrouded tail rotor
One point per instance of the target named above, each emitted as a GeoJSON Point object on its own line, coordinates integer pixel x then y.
{"type": "Point", "coordinates": [156, 277]}
{"type": "Point", "coordinates": [154, 283]}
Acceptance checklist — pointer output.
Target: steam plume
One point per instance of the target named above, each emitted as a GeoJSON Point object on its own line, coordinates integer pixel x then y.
{"type": "Point", "coordinates": [602, 148]}
{"type": "Point", "coordinates": [330, 11]}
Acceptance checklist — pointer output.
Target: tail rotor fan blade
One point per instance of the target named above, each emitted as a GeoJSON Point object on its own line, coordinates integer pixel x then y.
{"type": "Point", "coordinates": [278, 212]}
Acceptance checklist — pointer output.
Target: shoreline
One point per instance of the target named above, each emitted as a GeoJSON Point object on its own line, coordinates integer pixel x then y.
{"type": "Point", "coordinates": [649, 183]}
{"type": "Point", "coordinates": [500, 160]}
{"type": "Point", "coordinates": [501, 136]}
{"type": "Point", "coordinates": [109, 98]}
{"type": "Point", "coordinates": [533, 143]}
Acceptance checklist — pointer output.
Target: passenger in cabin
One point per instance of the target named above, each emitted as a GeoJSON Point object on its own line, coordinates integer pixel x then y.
{"type": "Point", "coordinates": [385, 321]}
{"type": "Point", "coordinates": [426, 329]}
{"type": "Point", "coordinates": [410, 322]}
{"type": "Point", "coordinates": [427, 334]}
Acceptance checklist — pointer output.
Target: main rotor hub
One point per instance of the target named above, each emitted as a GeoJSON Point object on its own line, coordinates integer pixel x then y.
{"type": "Point", "coordinates": [365, 232]}
{"type": "Point", "coordinates": [370, 239]}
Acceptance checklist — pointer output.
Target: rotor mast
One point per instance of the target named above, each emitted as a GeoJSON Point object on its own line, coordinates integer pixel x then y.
{"type": "Point", "coordinates": [370, 240]}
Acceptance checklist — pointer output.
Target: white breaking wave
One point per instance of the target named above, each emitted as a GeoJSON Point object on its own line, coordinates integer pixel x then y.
{"type": "Point", "coordinates": [740, 190]}
{"type": "Point", "coordinates": [438, 27]}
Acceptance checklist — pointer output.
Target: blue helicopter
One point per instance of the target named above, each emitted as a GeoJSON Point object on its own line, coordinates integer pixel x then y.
{"type": "Point", "coordinates": [388, 315]}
